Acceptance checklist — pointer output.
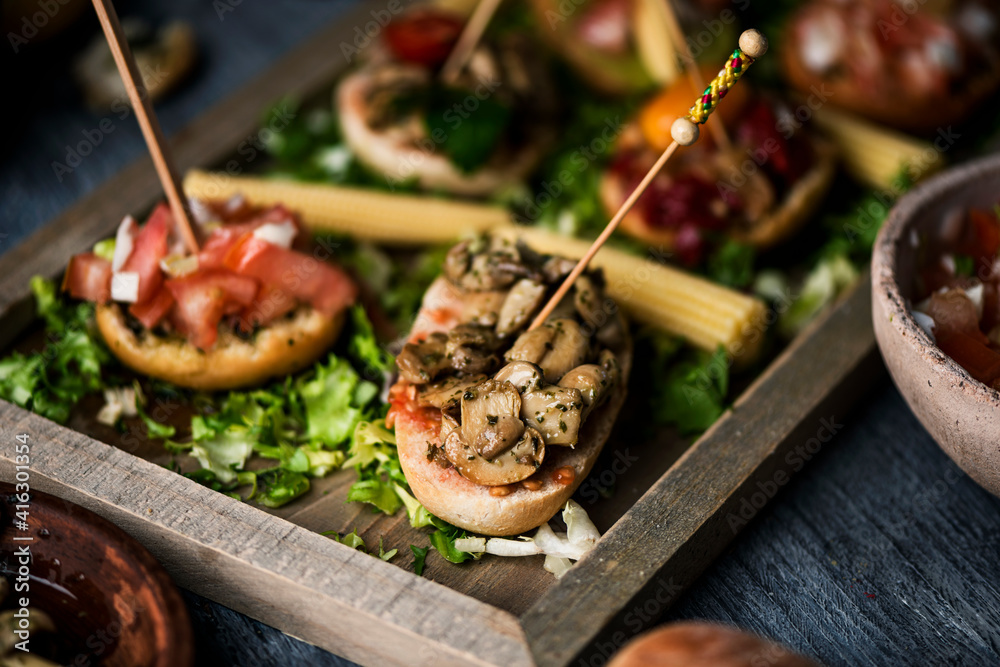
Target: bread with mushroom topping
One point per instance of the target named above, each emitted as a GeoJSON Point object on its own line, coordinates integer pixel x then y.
{"type": "Point", "coordinates": [425, 410]}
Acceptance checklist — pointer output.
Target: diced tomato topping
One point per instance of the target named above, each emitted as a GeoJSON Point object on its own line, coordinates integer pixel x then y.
{"type": "Point", "coordinates": [954, 313]}
{"type": "Point", "coordinates": [88, 277]}
{"type": "Point", "coordinates": [326, 288]}
{"type": "Point", "coordinates": [151, 312]}
{"type": "Point", "coordinates": [973, 355]}
{"type": "Point", "coordinates": [271, 303]}
{"type": "Point", "coordinates": [204, 298]}
{"type": "Point", "coordinates": [423, 36]}
{"type": "Point", "coordinates": [218, 244]}
{"type": "Point", "coordinates": [149, 248]}
{"type": "Point", "coordinates": [981, 240]}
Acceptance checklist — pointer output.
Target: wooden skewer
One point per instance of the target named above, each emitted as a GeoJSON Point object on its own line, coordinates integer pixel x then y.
{"type": "Point", "coordinates": [717, 129]}
{"type": "Point", "coordinates": [466, 44]}
{"type": "Point", "coordinates": [684, 132]}
{"type": "Point", "coordinates": [148, 122]}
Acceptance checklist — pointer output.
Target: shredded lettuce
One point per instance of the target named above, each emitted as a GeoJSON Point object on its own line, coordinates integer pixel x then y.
{"type": "Point", "coordinates": [333, 399]}
{"type": "Point", "coordinates": [732, 264]}
{"type": "Point", "coordinates": [365, 347]}
{"type": "Point", "coordinates": [52, 380]}
{"type": "Point", "coordinates": [303, 424]}
{"type": "Point", "coordinates": [823, 284]}
{"type": "Point", "coordinates": [688, 387]}
{"type": "Point", "coordinates": [225, 453]}
{"type": "Point", "coordinates": [354, 541]}
{"type": "Point", "coordinates": [419, 558]}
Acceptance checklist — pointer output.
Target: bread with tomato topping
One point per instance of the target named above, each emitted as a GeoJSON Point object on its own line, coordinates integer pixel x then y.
{"type": "Point", "coordinates": [247, 307]}
{"type": "Point", "coordinates": [425, 406]}
{"type": "Point", "coordinates": [283, 347]}
{"type": "Point", "coordinates": [758, 191]}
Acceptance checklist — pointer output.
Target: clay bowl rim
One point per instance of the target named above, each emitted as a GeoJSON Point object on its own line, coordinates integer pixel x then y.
{"type": "Point", "coordinates": [171, 607]}
{"type": "Point", "coordinates": [885, 288]}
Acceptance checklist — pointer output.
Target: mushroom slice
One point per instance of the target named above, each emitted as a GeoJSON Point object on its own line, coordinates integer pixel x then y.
{"type": "Point", "coordinates": [482, 307]}
{"type": "Point", "coordinates": [420, 362]}
{"type": "Point", "coordinates": [557, 346]}
{"type": "Point", "coordinates": [470, 348]}
{"type": "Point", "coordinates": [491, 421]}
{"type": "Point", "coordinates": [447, 392]}
{"type": "Point", "coordinates": [456, 262]}
{"type": "Point", "coordinates": [556, 412]}
{"type": "Point", "coordinates": [448, 424]}
{"type": "Point", "coordinates": [502, 434]}
{"type": "Point", "coordinates": [587, 300]}
{"type": "Point", "coordinates": [473, 335]}
{"type": "Point", "coordinates": [518, 463]}
{"type": "Point", "coordinates": [533, 345]}
{"type": "Point", "coordinates": [525, 376]}
{"type": "Point", "coordinates": [485, 264]}
{"type": "Point", "coordinates": [593, 383]}
{"type": "Point", "coordinates": [524, 298]}
{"type": "Point", "coordinates": [557, 268]}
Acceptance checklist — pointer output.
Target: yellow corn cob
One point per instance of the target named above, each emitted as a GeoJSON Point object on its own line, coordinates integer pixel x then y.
{"type": "Point", "coordinates": [706, 314]}
{"type": "Point", "coordinates": [393, 219]}
{"type": "Point", "coordinates": [875, 155]}
{"type": "Point", "coordinates": [655, 40]}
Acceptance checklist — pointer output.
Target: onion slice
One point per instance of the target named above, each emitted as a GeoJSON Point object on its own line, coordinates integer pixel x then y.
{"type": "Point", "coordinates": [124, 241]}
{"type": "Point", "coordinates": [125, 286]}
{"type": "Point", "coordinates": [279, 233]}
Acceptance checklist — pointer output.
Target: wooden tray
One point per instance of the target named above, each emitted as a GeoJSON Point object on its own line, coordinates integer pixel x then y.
{"type": "Point", "coordinates": [676, 506]}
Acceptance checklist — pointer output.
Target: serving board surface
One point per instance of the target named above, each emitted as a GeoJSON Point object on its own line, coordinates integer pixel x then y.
{"type": "Point", "coordinates": [668, 517]}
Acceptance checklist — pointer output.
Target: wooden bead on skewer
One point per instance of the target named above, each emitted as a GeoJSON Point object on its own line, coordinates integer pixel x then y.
{"type": "Point", "coordinates": [684, 132]}
{"type": "Point", "coordinates": [753, 43]}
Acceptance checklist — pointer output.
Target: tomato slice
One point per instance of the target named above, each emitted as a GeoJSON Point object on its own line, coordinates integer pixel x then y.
{"type": "Point", "coordinates": [151, 312]}
{"type": "Point", "coordinates": [149, 248]}
{"type": "Point", "coordinates": [271, 303]}
{"type": "Point", "coordinates": [204, 298]}
{"type": "Point", "coordinates": [88, 277]}
{"type": "Point", "coordinates": [982, 362]}
{"type": "Point", "coordinates": [423, 36]}
{"type": "Point", "coordinates": [325, 287]}
{"type": "Point", "coordinates": [218, 244]}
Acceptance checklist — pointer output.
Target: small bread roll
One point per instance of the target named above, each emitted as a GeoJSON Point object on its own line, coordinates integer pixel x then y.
{"type": "Point", "coordinates": [700, 644]}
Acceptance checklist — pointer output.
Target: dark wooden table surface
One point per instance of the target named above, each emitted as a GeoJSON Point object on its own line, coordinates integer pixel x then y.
{"type": "Point", "coordinates": [879, 552]}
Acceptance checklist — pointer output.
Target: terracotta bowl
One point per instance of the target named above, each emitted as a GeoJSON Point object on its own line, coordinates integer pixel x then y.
{"type": "Point", "coordinates": [961, 413]}
{"type": "Point", "coordinates": [111, 602]}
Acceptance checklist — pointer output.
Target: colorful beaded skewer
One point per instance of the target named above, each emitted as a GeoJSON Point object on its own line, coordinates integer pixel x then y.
{"type": "Point", "coordinates": [684, 132]}
{"type": "Point", "coordinates": [752, 46]}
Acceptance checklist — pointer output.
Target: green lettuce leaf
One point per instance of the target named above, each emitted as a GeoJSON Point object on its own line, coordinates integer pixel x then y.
{"type": "Point", "coordinates": [333, 400]}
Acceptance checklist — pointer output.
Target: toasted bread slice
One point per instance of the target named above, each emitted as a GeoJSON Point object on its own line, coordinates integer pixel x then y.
{"type": "Point", "coordinates": [452, 497]}
{"type": "Point", "coordinates": [282, 347]}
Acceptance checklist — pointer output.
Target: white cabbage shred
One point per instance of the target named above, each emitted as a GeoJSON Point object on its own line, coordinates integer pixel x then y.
{"type": "Point", "coordinates": [560, 549]}
{"type": "Point", "coordinates": [118, 402]}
